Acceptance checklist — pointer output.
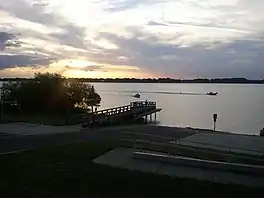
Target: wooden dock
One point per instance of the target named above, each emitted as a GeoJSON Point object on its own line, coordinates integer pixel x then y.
{"type": "Point", "coordinates": [123, 114]}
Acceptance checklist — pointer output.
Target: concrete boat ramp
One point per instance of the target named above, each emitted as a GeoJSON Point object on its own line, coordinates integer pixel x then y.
{"type": "Point", "coordinates": [145, 160]}
{"type": "Point", "coordinates": [123, 158]}
{"type": "Point", "coordinates": [242, 144]}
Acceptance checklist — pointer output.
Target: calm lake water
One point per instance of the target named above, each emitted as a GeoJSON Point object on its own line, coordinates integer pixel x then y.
{"type": "Point", "coordinates": [240, 108]}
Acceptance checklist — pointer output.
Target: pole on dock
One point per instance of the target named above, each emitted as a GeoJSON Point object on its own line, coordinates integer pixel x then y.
{"type": "Point", "coordinates": [155, 116]}
{"type": "Point", "coordinates": [150, 118]}
{"type": "Point", "coordinates": [215, 119]}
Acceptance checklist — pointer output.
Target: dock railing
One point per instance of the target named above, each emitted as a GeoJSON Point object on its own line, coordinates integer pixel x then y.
{"type": "Point", "coordinates": [107, 115]}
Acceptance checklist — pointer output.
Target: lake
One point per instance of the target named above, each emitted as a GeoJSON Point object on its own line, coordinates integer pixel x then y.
{"type": "Point", "coordinates": [240, 107]}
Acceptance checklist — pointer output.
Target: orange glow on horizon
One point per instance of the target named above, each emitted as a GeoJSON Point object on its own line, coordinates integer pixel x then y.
{"type": "Point", "coordinates": [110, 74]}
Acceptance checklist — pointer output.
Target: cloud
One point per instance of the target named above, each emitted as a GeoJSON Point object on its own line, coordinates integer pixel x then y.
{"type": "Point", "coordinates": [72, 35]}
{"type": "Point", "coordinates": [10, 61]}
{"type": "Point", "coordinates": [122, 5]}
{"type": "Point", "coordinates": [8, 40]}
{"type": "Point", "coordinates": [156, 23]}
{"type": "Point", "coordinates": [25, 10]}
{"type": "Point", "coordinates": [193, 25]}
{"type": "Point", "coordinates": [89, 68]}
{"type": "Point", "coordinates": [197, 38]}
{"type": "Point", "coordinates": [238, 58]}
{"type": "Point", "coordinates": [102, 68]}
{"type": "Point", "coordinates": [60, 29]}
{"type": "Point", "coordinates": [41, 32]}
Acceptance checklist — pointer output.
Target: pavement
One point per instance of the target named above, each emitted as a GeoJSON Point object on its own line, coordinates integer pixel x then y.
{"type": "Point", "coordinates": [21, 128]}
{"type": "Point", "coordinates": [21, 136]}
{"type": "Point", "coordinates": [235, 143]}
{"type": "Point", "coordinates": [10, 143]}
{"type": "Point", "coordinates": [123, 158]}
{"type": "Point", "coordinates": [18, 137]}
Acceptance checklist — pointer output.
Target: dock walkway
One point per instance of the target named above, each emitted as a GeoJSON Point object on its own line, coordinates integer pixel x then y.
{"type": "Point", "coordinates": [134, 111]}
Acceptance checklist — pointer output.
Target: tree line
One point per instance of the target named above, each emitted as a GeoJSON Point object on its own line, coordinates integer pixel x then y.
{"type": "Point", "coordinates": [156, 80]}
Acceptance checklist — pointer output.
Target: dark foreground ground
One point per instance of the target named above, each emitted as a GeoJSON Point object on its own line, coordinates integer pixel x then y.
{"type": "Point", "coordinates": [13, 143]}
{"type": "Point", "coordinates": [68, 171]}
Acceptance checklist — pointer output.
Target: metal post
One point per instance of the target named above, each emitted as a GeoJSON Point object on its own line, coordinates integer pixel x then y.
{"type": "Point", "coordinates": [150, 118]}
{"type": "Point", "coordinates": [214, 126]}
{"type": "Point", "coordinates": [214, 119]}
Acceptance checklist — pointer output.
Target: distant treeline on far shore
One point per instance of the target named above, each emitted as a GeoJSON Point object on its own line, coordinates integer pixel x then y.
{"type": "Point", "coordinates": [156, 80]}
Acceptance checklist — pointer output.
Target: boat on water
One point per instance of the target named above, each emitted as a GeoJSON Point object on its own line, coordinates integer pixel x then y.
{"type": "Point", "coordinates": [212, 93]}
{"type": "Point", "coordinates": [137, 95]}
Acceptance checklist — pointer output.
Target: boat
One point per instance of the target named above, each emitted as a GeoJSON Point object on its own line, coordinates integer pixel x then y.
{"type": "Point", "coordinates": [212, 93]}
{"type": "Point", "coordinates": [137, 95]}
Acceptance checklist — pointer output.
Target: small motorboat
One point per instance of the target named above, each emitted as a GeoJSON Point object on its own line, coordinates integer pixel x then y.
{"type": "Point", "coordinates": [212, 93]}
{"type": "Point", "coordinates": [137, 95]}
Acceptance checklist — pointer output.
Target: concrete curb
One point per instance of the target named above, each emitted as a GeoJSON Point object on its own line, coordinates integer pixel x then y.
{"type": "Point", "coordinates": [225, 166]}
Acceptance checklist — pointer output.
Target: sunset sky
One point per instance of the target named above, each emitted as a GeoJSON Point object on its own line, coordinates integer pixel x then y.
{"type": "Point", "coordinates": [132, 38]}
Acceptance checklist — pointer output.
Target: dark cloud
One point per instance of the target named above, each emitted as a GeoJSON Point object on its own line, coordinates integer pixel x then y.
{"type": "Point", "coordinates": [8, 40]}
{"type": "Point", "coordinates": [156, 23]}
{"type": "Point", "coordinates": [122, 5]}
{"type": "Point", "coordinates": [72, 36]}
{"type": "Point", "coordinates": [4, 36]}
{"type": "Point", "coordinates": [93, 68]}
{"type": "Point", "coordinates": [10, 61]}
{"type": "Point", "coordinates": [194, 25]}
{"type": "Point", "coordinates": [87, 68]}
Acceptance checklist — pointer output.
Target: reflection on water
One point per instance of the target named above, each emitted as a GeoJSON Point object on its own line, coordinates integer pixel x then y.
{"type": "Point", "coordinates": [240, 107]}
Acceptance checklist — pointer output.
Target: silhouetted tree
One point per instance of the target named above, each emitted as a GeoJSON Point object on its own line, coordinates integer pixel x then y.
{"type": "Point", "coordinates": [49, 93]}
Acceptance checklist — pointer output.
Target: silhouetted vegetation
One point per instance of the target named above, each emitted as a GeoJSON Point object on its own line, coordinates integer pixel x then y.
{"type": "Point", "coordinates": [157, 80]}
{"type": "Point", "coordinates": [169, 80]}
{"type": "Point", "coordinates": [48, 94]}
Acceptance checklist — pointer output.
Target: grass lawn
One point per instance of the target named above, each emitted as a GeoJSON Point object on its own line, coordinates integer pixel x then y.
{"type": "Point", "coordinates": [68, 171]}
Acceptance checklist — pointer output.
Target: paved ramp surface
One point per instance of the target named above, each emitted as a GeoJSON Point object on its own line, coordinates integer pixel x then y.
{"type": "Point", "coordinates": [20, 136]}
{"type": "Point", "coordinates": [35, 129]}
{"type": "Point", "coordinates": [122, 158]}
{"type": "Point", "coordinates": [244, 144]}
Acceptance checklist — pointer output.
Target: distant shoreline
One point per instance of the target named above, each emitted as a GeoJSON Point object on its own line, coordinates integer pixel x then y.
{"type": "Point", "coordinates": [152, 80]}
